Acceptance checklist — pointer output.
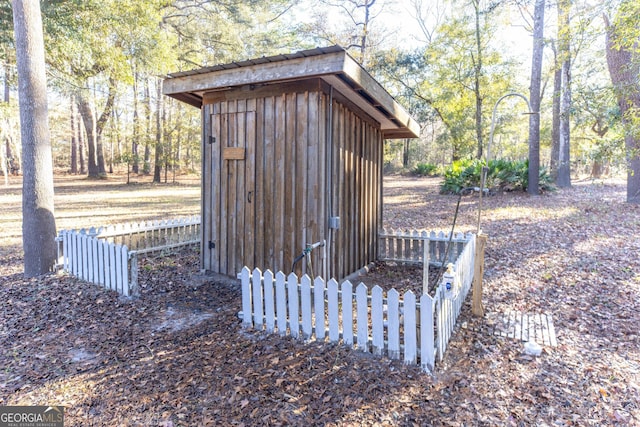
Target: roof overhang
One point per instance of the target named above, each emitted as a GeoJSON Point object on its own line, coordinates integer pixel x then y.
{"type": "Point", "coordinates": [332, 64]}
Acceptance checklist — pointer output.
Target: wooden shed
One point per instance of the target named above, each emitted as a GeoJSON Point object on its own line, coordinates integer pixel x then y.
{"type": "Point", "coordinates": [292, 154]}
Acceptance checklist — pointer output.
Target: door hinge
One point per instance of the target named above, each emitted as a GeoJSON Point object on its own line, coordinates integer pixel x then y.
{"type": "Point", "coordinates": [212, 139]}
{"type": "Point", "coordinates": [212, 245]}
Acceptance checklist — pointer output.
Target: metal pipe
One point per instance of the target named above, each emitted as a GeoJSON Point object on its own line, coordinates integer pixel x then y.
{"type": "Point", "coordinates": [306, 253]}
{"type": "Point", "coordinates": [485, 167]}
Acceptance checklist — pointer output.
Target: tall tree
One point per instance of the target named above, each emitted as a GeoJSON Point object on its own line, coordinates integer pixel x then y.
{"type": "Point", "coordinates": [135, 141]}
{"type": "Point", "coordinates": [453, 74]}
{"type": "Point", "coordinates": [555, 119]}
{"type": "Point", "coordinates": [351, 26]}
{"type": "Point", "coordinates": [477, 75]}
{"type": "Point", "coordinates": [623, 59]}
{"type": "Point", "coordinates": [534, 98]}
{"type": "Point", "coordinates": [159, 155]}
{"type": "Point", "coordinates": [94, 42]}
{"type": "Point", "coordinates": [146, 168]}
{"type": "Point", "coordinates": [81, 151]}
{"type": "Point", "coordinates": [38, 219]}
{"type": "Point", "coordinates": [8, 115]}
{"type": "Point", "coordinates": [89, 120]}
{"type": "Point", "coordinates": [74, 139]}
{"type": "Point", "coordinates": [563, 176]}
{"type": "Point", "coordinates": [5, 127]}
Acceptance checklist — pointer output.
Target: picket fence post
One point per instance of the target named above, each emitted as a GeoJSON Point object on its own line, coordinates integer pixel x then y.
{"type": "Point", "coordinates": [246, 297]}
{"type": "Point", "coordinates": [134, 273]}
{"type": "Point", "coordinates": [269, 307]}
{"type": "Point", "coordinates": [347, 313]}
{"type": "Point", "coordinates": [334, 318]}
{"type": "Point", "coordinates": [124, 272]}
{"type": "Point", "coordinates": [427, 333]}
{"type": "Point", "coordinates": [256, 287]}
{"type": "Point", "coordinates": [393, 328]}
{"type": "Point", "coordinates": [294, 318]}
{"type": "Point", "coordinates": [281, 303]}
{"type": "Point", "coordinates": [377, 325]}
{"type": "Point", "coordinates": [362, 317]}
{"type": "Point", "coordinates": [305, 307]}
{"type": "Point", "coordinates": [318, 301]}
{"type": "Point", "coordinates": [410, 339]}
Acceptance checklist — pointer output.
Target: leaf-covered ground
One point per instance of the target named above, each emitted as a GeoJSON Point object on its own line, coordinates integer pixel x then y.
{"type": "Point", "coordinates": [178, 356]}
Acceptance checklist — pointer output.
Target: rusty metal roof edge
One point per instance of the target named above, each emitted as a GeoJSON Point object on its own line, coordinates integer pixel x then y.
{"type": "Point", "coordinates": [262, 60]}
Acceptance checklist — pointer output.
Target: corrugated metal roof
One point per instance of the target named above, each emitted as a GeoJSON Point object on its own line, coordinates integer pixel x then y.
{"type": "Point", "coordinates": [262, 60]}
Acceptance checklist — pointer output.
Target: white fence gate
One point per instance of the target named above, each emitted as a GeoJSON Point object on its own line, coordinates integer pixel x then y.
{"type": "Point", "coordinates": [89, 258]}
{"type": "Point", "coordinates": [414, 328]}
{"type": "Point", "coordinates": [104, 256]}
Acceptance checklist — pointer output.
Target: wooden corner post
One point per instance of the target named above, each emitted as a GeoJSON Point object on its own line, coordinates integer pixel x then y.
{"type": "Point", "coordinates": [478, 273]}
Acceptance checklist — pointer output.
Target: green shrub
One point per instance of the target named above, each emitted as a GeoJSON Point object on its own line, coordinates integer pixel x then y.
{"type": "Point", "coordinates": [503, 175]}
{"type": "Point", "coordinates": [425, 169]}
{"type": "Point", "coordinates": [458, 175]}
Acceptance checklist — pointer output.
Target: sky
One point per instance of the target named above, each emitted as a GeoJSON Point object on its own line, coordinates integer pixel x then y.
{"type": "Point", "coordinates": [401, 28]}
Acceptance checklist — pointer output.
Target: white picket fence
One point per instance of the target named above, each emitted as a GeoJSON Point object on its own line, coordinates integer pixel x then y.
{"type": "Point", "coordinates": [414, 328]}
{"type": "Point", "coordinates": [152, 236]}
{"type": "Point", "coordinates": [104, 255]}
{"type": "Point", "coordinates": [408, 246]}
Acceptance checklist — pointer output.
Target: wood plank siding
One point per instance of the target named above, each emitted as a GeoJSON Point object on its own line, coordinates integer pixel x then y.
{"type": "Point", "coordinates": [278, 162]}
{"type": "Point", "coordinates": [292, 152]}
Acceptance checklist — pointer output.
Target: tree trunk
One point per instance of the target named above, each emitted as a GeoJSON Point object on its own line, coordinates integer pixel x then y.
{"type": "Point", "coordinates": [624, 68]}
{"type": "Point", "coordinates": [88, 118]}
{"type": "Point", "coordinates": [564, 144]}
{"type": "Point", "coordinates": [146, 168]}
{"type": "Point", "coordinates": [38, 219]}
{"type": "Point", "coordinates": [114, 150]}
{"type": "Point", "coordinates": [555, 120]}
{"type": "Point", "coordinates": [100, 125]}
{"type": "Point", "coordinates": [178, 151]}
{"type": "Point", "coordinates": [136, 127]}
{"type": "Point", "coordinates": [81, 151]}
{"type": "Point", "coordinates": [74, 141]}
{"type": "Point", "coordinates": [159, 149]}
{"type": "Point", "coordinates": [10, 163]}
{"type": "Point", "coordinates": [534, 99]}
{"type": "Point", "coordinates": [563, 179]}
{"type": "Point", "coordinates": [3, 160]}
{"type": "Point", "coordinates": [477, 75]}
{"type": "Point", "coordinates": [596, 169]}
{"type": "Point", "coordinates": [405, 152]}
{"type": "Point", "coordinates": [166, 138]}
{"type": "Point", "coordinates": [7, 87]}
{"type": "Point", "coordinates": [4, 151]}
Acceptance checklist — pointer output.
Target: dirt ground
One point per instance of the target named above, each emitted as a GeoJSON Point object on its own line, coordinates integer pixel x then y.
{"type": "Point", "coordinates": [177, 356]}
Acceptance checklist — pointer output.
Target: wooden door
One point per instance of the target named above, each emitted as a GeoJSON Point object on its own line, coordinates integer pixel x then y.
{"type": "Point", "coordinates": [232, 227]}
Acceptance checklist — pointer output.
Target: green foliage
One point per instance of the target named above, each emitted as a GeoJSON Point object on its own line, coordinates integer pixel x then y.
{"type": "Point", "coordinates": [126, 158]}
{"type": "Point", "coordinates": [627, 30]}
{"type": "Point", "coordinates": [460, 174]}
{"type": "Point", "coordinates": [442, 81]}
{"type": "Point", "coordinates": [425, 169]}
{"type": "Point", "coordinates": [503, 175]}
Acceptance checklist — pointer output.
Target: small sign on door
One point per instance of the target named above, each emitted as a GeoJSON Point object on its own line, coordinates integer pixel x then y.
{"type": "Point", "coordinates": [233, 153]}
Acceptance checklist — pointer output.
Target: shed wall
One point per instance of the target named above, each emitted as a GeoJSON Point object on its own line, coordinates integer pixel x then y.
{"type": "Point", "coordinates": [267, 171]}
{"type": "Point", "coordinates": [357, 196]}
